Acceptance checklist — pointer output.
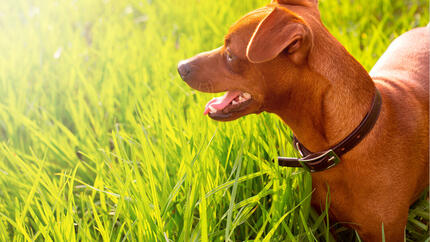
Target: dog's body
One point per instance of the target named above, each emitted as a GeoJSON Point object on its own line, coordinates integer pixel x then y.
{"type": "Point", "coordinates": [281, 59]}
{"type": "Point", "coordinates": [385, 173]}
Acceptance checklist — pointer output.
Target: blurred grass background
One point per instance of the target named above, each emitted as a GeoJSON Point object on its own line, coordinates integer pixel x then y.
{"type": "Point", "coordinates": [101, 140]}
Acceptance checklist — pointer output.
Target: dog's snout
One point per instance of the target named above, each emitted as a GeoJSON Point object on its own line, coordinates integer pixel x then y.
{"type": "Point", "coordinates": [184, 69]}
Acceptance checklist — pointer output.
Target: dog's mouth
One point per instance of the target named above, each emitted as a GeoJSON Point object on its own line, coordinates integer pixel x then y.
{"type": "Point", "coordinates": [228, 106]}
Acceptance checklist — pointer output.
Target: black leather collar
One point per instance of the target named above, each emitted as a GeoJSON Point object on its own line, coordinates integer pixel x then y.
{"type": "Point", "coordinates": [320, 161]}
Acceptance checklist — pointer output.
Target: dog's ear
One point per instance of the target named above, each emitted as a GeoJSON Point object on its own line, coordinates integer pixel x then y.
{"type": "Point", "coordinates": [280, 30]}
{"type": "Point", "coordinates": [295, 2]}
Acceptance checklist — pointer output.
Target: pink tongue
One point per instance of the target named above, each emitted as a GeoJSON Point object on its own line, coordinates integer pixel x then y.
{"type": "Point", "coordinates": [219, 103]}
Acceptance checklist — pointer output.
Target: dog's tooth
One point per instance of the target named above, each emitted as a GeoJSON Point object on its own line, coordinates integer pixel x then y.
{"type": "Point", "coordinates": [212, 109]}
{"type": "Point", "coordinates": [234, 102]}
{"type": "Point", "coordinates": [246, 95]}
{"type": "Point", "coordinates": [241, 99]}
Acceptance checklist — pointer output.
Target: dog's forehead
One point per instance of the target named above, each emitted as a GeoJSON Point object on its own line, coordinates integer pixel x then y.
{"type": "Point", "coordinates": [241, 32]}
{"type": "Point", "coordinates": [250, 19]}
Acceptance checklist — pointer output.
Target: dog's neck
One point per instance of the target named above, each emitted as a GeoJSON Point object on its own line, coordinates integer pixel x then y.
{"type": "Point", "coordinates": [331, 99]}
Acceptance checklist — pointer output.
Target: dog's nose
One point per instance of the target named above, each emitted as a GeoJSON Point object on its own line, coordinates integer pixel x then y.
{"type": "Point", "coordinates": [184, 69]}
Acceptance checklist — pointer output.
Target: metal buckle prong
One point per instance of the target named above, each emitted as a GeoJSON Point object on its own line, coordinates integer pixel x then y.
{"type": "Point", "coordinates": [333, 157]}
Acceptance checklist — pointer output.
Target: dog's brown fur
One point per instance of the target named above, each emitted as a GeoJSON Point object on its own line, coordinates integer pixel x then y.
{"type": "Point", "coordinates": [292, 66]}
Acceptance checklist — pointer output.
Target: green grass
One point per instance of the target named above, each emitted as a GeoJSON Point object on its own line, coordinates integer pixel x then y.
{"type": "Point", "coordinates": [101, 140]}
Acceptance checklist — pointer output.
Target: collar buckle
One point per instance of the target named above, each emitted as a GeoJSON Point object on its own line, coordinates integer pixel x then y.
{"type": "Point", "coordinates": [320, 161]}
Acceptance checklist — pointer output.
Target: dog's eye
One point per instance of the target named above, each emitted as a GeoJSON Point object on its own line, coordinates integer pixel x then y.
{"type": "Point", "coordinates": [230, 57]}
{"type": "Point", "coordinates": [232, 62]}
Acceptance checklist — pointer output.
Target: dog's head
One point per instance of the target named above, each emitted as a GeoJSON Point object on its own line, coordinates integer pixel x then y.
{"type": "Point", "coordinates": [263, 55]}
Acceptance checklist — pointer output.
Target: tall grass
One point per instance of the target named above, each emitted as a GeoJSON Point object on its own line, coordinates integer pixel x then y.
{"type": "Point", "coordinates": [101, 140]}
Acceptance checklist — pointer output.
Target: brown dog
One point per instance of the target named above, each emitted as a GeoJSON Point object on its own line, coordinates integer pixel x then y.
{"type": "Point", "coordinates": [281, 59]}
